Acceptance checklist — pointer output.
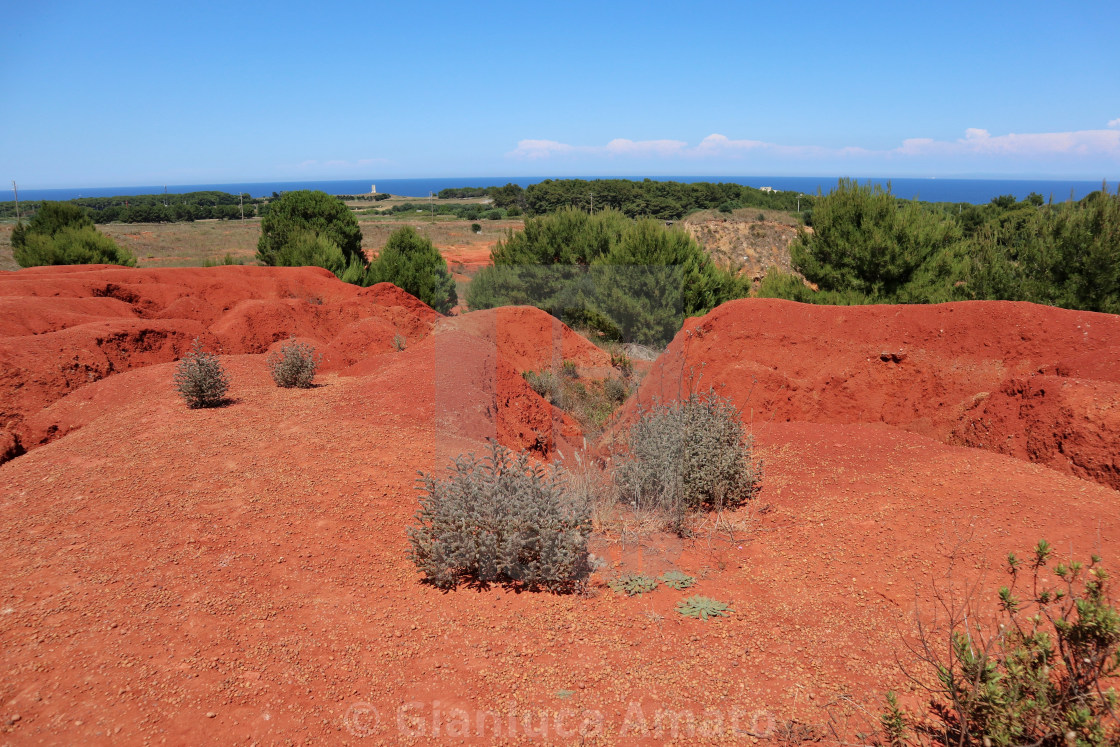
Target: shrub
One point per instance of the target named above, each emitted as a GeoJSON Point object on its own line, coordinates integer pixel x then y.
{"type": "Point", "coordinates": [1037, 678]}
{"type": "Point", "coordinates": [309, 212]}
{"type": "Point", "coordinates": [865, 240]}
{"type": "Point", "coordinates": [476, 228]}
{"type": "Point", "coordinates": [293, 366]}
{"type": "Point", "coordinates": [399, 342]}
{"type": "Point", "coordinates": [686, 456]}
{"type": "Point", "coordinates": [616, 390]}
{"type": "Point", "coordinates": [200, 378]}
{"type": "Point", "coordinates": [61, 233]}
{"type": "Point", "coordinates": [500, 519]}
{"type": "Point", "coordinates": [71, 246]}
{"type": "Point", "coordinates": [569, 370]}
{"type": "Point", "coordinates": [410, 262]}
{"type": "Point", "coordinates": [546, 385]}
{"type": "Point", "coordinates": [50, 219]}
{"type": "Point", "coordinates": [493, 215]}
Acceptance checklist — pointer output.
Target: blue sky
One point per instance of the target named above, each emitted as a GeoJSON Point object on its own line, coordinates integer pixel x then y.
{"type": "Point", "coordinates": [121, 93]}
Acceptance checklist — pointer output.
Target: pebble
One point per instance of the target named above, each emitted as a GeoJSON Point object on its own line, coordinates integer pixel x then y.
{"type": "Point", "coordinates": [210, 714]}
{"type": "Point", "coordinates": [15, 717]}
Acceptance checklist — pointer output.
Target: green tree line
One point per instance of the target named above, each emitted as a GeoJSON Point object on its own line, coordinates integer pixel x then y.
{"type": "Point", "coordinates": [160, 208]}
{"type": "Point", "coordinates": [866, 246]}
{"type": "Point", "coordinates": [665, 200]}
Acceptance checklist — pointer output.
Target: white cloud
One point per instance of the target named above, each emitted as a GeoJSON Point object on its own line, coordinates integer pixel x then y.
{"type": "Point", "coordinates": [976, 142]}
{"type": "Point", "coordinates": [1114, 122]}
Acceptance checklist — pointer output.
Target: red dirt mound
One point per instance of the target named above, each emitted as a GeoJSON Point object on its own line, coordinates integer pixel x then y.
{"type": "Point", "coordinates": [150, 291]}
{"type": "Point", "coordinates": [37, 315]}
{"type": "Point", "coordinates": [529, 339]}
{"type": "Point", "coordinates": [39, 369]}
{"type": "Point", "coordinates": [241, 575]}
{"type": "Point", "coordinates": [919, 368]}
{"type": "Point", "coordinates": [466, 388]}
{"type": "Point", "coordinates": [64, 328]}
{"type": "Point", "coordinates": [1072, 425]}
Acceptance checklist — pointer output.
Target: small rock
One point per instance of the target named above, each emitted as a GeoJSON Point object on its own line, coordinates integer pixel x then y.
{"type": "Point", "coordinates": [14, 718]}
{"type": "Point", "coordinates": [211, 714]}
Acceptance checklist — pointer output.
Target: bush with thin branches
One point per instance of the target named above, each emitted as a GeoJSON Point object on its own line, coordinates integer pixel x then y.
{"type": "Point", "coordinates": [501, 519]}
{"type": "Point", "coordinates": [293, 366]}
{"type": "Point", "coordinates": [200, 378]}
{"type": "Point", "coordinates": [1039, 676]}
{"type": "Point", "coordinates": [687, 456]}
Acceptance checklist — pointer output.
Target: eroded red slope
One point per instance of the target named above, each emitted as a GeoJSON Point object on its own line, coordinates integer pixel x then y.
{"type": "Point", "coordinates": [920, 368]}
{"type": "Point", "coordinates": [64, 328]}
{"type": "Point", "coordinates": [161, 565]}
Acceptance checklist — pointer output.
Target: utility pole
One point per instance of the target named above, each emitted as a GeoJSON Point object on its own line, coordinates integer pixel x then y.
{"type": "Point", "coordinates": [241, 203]}
{"type": "Point", "coordinates": [592, 202]}
{"type": "Point", "coordinates": [16, 191]}
{"type": "Point", "coordinates": [432, 204]}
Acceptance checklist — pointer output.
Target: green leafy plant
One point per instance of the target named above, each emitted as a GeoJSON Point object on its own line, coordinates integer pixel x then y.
{"type": "Point", "coordinates": [399, 342]}
{"type": "Point", "coordinates": [293, 366]}
{"type": "Point", "coordinates": [677, 580]}
{"type": "Point", "coordinates": [501, 519]}
{"type": "Point", "coordinates": [635, 281]}
{"type": "Point", "coordinates": [688, 455]}
{"type": "Point", "coordinates": [632, 584]}
{"type": "Point", "coordinates": [412, 263]}
{"type": "Point", "coordinates": [1038, 677]}
{"type": "Point", "coordinates": [703, 607]}
{"type": "Point", "coordinates": [200, 378]}
{"type": "Point", "coordinates": [324, 225]}
{"type": "Point", "coordinates": [569, 370]}
{"type": "Point", "coordinates": [61, 233]}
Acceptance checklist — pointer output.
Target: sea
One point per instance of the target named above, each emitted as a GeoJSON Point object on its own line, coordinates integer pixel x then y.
{"type": "Point", "coordinates": [932, 189]}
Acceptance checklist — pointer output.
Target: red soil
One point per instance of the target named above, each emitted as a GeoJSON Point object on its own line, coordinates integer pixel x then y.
{"type": "Point", "coordinates": [1072, 425]}
{"type": "Point", "coordinates": [920, 368]}
{"type": "Point", "coordinates": [62, 330]}
{"type": "Point", "coordinates": [468, 259]}
{"type": "Point", "coordinates": [529, 340]}
{"type": "Point", "coordinates": [241, 574]}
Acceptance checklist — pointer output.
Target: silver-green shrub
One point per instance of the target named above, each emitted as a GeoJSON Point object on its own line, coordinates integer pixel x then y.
{"type": "Point", "coordinates": [501, 519]}
{"type": "Point", "coordinates": [688, 455]}
{"type": "Point", "coordinates": [200, 378]}
{"type": "Point", "coordinates": [293, 366]}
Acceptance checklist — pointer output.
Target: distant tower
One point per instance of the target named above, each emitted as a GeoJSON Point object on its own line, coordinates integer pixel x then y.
{"type": "Point", "coordinates": [373, 189]}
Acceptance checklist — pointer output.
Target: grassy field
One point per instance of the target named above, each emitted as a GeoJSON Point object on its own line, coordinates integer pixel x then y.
{"type": "Point", "coordinates": [192, 244]}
